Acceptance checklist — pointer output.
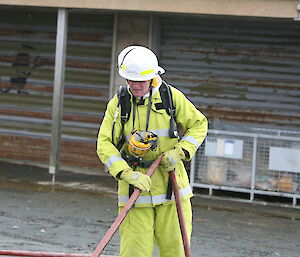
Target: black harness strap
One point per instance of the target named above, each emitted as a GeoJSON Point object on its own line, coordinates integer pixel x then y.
{"type": "Point", "coordinates": [149, 108]}
{"type": "Point", "coordinates": [163, 89]}
{"type": "Point", "coordinates": [167, 101]}
{"type": "Point", "coordinates": [124, 99]}
{"type": "Point", "coordinates": [124, 102]}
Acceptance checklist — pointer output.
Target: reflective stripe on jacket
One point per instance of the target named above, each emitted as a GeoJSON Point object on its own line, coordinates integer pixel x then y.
{"type": "Point", "coordinates": [191, 120]}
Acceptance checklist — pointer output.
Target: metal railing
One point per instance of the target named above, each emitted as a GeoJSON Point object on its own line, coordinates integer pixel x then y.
{"type": "Point", "coordinates": [257, 164]}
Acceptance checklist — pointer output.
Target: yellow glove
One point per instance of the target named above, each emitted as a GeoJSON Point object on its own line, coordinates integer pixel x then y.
{"type": "Point", "coordinates": [136, 179]}
{"type": "Point", "coordinates": [171, 158]}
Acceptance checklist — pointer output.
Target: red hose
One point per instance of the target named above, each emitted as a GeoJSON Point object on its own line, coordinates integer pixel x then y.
{"type": "Point", "coordinates": [185, 239]}
{"type": "Point", "coordinates": [45, 254]}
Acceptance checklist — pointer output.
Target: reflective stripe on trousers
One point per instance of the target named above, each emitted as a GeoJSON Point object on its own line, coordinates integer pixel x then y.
{"type": "Point", "coordinates": [154, 199]}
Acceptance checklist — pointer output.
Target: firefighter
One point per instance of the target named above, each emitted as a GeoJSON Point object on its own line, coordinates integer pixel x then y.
{"type": "Point", "coordinates": [128, 142]}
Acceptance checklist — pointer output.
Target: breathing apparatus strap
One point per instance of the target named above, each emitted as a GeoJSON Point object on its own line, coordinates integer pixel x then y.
{"type": "Point", "coordinates": [149, 107]}
{"type": "Point", "coordinates": [124, 99]}
{"type": "Point", "coordinates": [134, 110]}
{"type": "Point", "coordinates": [167, 102]}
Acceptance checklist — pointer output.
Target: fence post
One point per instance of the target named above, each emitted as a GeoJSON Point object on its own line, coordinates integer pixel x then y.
{"type": "Point", "coordinates": [192, 171]}
{"type": "Point", "coordinates": [58, 93]}
{"type": "Point", "coordinates": [253, 173]}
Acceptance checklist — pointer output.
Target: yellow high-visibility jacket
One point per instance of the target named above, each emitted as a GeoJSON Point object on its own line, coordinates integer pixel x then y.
{"type": "Point", "coordinates": [191, 120]}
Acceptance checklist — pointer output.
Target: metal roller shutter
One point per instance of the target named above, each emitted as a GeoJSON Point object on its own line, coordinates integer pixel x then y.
{"type": "Point", "coordinates": [27, 70]}
{"type": "Point", "coordinates": [87, 86]}
{"type": "Point", "coordinates": [242, 72]}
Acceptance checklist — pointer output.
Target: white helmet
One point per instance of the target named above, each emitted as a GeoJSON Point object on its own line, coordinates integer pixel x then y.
{"type": "Point", "coordinates": [138, 63]}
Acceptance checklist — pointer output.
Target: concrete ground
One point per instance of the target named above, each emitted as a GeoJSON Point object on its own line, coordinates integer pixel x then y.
{"type": "Point", "coordinates": [74, 215]}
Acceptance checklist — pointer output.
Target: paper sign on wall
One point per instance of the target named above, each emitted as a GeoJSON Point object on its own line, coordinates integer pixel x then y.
{"type": "Point", "coordinates": [223, 147]}
{"type": "Point", "coordinates": [284, 159]}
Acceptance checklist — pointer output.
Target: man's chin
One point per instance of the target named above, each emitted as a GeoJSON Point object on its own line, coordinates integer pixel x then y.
{"type": "Point", "coordinates": [137, 95]}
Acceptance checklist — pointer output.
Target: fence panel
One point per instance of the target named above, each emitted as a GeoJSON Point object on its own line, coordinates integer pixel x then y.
{"type": "Point", "coordinates": [248, 163]}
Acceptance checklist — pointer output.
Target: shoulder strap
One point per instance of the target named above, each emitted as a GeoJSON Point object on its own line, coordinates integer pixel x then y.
{"type": "Point", "coordinates": [166, 97]}
{"type": "Point", "coordinates": [124, 102]}
{"type": "Point", "coordinates": [167, 101]}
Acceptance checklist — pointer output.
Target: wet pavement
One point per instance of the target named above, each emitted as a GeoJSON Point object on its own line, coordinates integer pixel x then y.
{"type": "Point", "coordinates": [74, 215]}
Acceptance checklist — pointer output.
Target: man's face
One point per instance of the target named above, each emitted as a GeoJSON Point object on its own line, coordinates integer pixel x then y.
{"type": "Point", "coordinates": [139, 88]}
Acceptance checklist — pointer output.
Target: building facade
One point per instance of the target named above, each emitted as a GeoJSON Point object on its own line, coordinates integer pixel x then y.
{"type": "Point", "coordinates": [238, 62]}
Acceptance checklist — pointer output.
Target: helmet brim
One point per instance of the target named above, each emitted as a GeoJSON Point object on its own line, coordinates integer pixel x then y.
{"type": "Point", "coordinates": [136, 77]}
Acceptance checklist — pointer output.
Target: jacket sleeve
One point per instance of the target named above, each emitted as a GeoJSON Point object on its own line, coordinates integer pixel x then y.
{"type": "Point", "coordinates": [106, 150]}
{"type": "Point", "coordinates": [192, 121]}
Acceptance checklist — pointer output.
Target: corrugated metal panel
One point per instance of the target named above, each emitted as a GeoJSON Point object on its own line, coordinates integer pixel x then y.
{"type": "Point", "coordinates": [27, 46]}
{"type": "Point", "coordinates": [87, 85]}
{"type": "Point", "coordinates": [26, 81]}
{"type": "Point", "coordinates": [236, 70]}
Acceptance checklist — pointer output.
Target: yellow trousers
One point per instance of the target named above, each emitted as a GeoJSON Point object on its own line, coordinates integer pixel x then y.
{"type": "Point", "coordinates": [144, 226]}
